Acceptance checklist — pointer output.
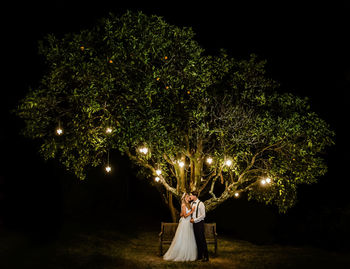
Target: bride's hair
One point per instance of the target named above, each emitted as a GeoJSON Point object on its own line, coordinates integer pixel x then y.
{"type": "Point", "coordinates": [183, 201]}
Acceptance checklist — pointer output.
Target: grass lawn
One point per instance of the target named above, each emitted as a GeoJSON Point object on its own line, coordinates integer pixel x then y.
{"type": "Point", "coordinates": [103, 248]}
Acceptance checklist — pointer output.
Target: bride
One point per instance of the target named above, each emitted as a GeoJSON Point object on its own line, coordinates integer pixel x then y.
{"type": "Point", "coordinates": [183, 247]}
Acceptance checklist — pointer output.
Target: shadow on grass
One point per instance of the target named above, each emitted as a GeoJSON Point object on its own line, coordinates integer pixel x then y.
{"type": "Point", "coordinates": [109, 247]}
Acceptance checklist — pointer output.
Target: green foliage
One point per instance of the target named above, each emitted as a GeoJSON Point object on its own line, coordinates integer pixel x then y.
{"type": "Point", "coordinates": [153, 85]}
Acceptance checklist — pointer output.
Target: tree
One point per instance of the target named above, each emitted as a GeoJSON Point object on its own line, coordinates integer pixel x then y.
{"type": "Point", "coordinates": [191, 120]}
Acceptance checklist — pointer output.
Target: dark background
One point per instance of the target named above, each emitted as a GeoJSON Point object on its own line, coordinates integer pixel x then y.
{"type": "Point", "coordinates": [307, 51]}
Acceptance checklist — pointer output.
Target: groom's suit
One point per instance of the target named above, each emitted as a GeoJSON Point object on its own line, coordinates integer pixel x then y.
{"type": "Point", "coordinates": [198, 227]}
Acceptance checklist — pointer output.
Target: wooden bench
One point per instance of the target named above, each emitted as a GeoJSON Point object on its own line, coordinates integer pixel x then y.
{"type": "Point", "coordinates": [168, 229]}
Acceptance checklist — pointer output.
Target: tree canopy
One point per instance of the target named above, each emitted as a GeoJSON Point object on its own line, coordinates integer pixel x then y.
{"type": "Point", "coordinates": [155, 87]}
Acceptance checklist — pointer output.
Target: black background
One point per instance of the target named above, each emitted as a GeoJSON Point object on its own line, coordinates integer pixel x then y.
{"type": "Point", "coordinates": [307, 51]}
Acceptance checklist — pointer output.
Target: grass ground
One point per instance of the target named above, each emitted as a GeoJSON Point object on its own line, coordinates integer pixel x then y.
{"type": "Point", "coordinates": [104, 248]}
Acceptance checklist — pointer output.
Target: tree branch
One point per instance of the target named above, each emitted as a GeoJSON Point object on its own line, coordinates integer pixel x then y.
{"type": "Point", "coordinates": [213, 173]}
{"type": "Point", "coordinates": [250, 165]}
{"type": "Point", "coordinates": [171, 163]}
{"type": "Point", "coordinates": [162, 180]}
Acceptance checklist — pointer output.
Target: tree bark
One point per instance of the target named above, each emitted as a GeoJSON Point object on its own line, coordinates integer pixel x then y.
{"type": "Point", "coordinates": [182, 176]}
{"type": "Point", "coordinates": [198, 164]}
{"type": "Point", "coordinates": [173, 211]}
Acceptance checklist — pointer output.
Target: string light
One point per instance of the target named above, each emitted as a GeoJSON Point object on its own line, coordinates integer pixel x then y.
{"type": "Point", "coordinates": [263, 182]}
{"type": "Point", "coordinates": [157, 179]}
{"type": "Point", "coordinates": [236, 194]}
{"type": "Point", "coordinates": [209, 160]}
{"type": "Point", "coordinates": [109, 130]}
{"type": "Point", "coordinates": [268, 180]}
{"type": "Point", "coordinates": [158, 172]}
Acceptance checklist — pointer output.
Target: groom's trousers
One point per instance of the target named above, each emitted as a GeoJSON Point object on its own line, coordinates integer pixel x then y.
{"type": "Point", "coordinates": [202, 248]}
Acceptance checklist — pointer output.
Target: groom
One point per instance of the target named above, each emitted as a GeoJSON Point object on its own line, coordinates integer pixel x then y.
{"type": "Point", "coordinates": [197, 218]}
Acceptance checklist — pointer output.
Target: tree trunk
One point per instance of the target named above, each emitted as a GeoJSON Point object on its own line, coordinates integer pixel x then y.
{"type": "Point", "coordinates": [198, 164]}
{"type": "Point", "coordinates": [182, 178]}
{"type": "Point", "coordinates": [173, 211]}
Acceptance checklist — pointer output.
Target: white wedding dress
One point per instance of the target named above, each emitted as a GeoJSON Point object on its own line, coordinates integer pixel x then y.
{"type": "Point", "coordinates": [183, 247]}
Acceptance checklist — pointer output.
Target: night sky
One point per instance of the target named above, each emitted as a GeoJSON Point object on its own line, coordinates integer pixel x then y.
{"type": "Point", "coordinates": [306, 51]}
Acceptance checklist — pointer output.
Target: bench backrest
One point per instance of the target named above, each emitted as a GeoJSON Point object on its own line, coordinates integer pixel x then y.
{"type": "Point", "coordinates": [210, 230]}
{"type": "Point", "coordinates": [169, 229]}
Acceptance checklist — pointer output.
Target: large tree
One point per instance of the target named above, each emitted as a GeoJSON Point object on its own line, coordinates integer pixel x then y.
{"type": "Point", "coordinates": [191, 121]}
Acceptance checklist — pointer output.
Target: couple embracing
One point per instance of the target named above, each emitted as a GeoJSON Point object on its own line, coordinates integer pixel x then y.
{"type": "Point", "coordinates": [189, 242]}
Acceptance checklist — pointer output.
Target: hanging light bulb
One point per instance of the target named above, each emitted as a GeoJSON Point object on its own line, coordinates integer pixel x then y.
{"type": "Point", "coordinates": [181, 163]}
{"type": "Point", "coordinates": [236, 194]}
{"type": "Point", "coordinates": [144, 150]}
{"type": "Point", "coordinates": [59, 130]}
{"type": "Point", "coordinates": [268, 180]}
{"type": "Point", "coordinates": [158, 171]}
{"type": "Point", "coordinates": [157, 179]}
{"type": "Point", "coordinates": [228, 162]}
{"type": "Point", "coordinates": [108, 169]}
{"type": "Point", "coordinates": [109, 130]}
{"type": "Point", "coordinates": [263, 182]}
{"type": "Point", "coordinates": [209, 160]}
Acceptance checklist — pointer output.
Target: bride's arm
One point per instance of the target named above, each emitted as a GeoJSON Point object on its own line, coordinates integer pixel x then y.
{"type": "Point", "coordinates": [183, 211]}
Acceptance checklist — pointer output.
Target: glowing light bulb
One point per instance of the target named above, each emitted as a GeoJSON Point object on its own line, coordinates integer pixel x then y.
{"type": "Point", "coordinates": [109, 130]}
{"type": "Point", "coordinates": [236, 194]}
{"type": "Point", "coordinates": [181, 163]}
{"type": "Point", "coordinates": [263, 182]}
{"type": "Point", "coordinates": [59, 131]}
{"type": "Point", "coordinates": [144, 150]}
{"type": "Point", "coordinates": [158, 172]}
{"type": "Point", "coordinates": [108, 169]}
{"type": "Point", "coordinates": [228, 162]}
{"type": "Point", "coordinates": [157, 179]}
{"type": "Point", "coordinates": [268, 180]}
{"type": "Point", "coordinates": [209, 160]}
